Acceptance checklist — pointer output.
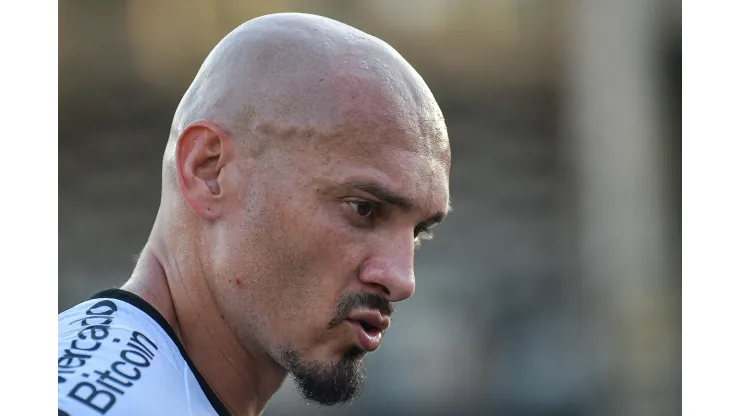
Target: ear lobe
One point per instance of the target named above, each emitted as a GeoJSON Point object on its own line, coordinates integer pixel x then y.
{"type": "Point", "coordinates": [200, 158]}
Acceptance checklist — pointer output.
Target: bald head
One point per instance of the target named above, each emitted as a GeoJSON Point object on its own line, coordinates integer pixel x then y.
{"type": "Point", "coordinates": [280, 74]}
{"type": "Point", "coordinates": [305, 162]}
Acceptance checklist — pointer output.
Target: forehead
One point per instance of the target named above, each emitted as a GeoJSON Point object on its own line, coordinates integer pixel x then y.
{"type": "Point", "coordinates": [372, 116]}
{"type": "Point", "coordinates": [395, 137]}
{"type": "Point", "coordinates": [413, 169]}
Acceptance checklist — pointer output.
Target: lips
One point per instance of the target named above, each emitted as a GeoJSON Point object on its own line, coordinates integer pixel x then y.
{"type": "Point", "coordinates": [369, 327]}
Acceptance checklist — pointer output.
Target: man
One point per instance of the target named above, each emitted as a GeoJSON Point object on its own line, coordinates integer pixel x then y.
{"type": "Point", "coordinates": [304, 163]}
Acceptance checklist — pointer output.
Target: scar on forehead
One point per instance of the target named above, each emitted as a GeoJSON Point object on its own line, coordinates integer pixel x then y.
{"type": "Point", "coordinates": [270, 129]}
{"type": "Point", "coordinates": [330, 137]}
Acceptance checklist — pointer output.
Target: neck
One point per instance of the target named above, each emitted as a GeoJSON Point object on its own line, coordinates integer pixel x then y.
{"type": "Point", "coordinates": [244, 378]}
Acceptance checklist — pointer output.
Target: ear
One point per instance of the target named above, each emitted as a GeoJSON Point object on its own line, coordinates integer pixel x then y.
{"type": "Point", "coordinates": [201, 154]}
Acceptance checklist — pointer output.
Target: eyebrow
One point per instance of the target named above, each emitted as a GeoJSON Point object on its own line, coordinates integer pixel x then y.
{"type": "Point", "coordinates": [389, 197]}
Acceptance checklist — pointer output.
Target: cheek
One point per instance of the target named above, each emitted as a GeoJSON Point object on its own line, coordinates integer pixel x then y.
{"type": "Point", "coordinates": [281, 272]}
{"type": "Point", "coordinates": [277, 275]}
{"type": "Point", "coordinates": [311, 267]}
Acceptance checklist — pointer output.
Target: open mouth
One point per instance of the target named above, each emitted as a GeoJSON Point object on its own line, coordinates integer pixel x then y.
{"type": "Point", "coordinates": [371, 329]}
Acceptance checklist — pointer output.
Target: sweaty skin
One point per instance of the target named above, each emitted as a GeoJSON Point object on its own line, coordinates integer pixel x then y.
{"type": "Point", "coordinates": [302, 162]}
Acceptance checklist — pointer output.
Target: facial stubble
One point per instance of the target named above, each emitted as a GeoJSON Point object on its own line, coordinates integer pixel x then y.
{"type": "Point", "coordinates": [340, 382]}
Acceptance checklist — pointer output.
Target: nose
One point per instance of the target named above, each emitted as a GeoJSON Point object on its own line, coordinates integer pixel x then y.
{"type": "Point", "coordinates": [392, 268]}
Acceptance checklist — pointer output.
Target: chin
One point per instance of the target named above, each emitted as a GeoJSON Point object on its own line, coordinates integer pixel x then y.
{"type": "Point", "coordinates": [331, 382]}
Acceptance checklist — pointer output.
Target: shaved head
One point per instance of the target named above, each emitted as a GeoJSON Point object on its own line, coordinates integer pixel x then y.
{"type": "Point", "coordinates": [304, 164]}
{"type": "Point", "coordinates": [289, 73]}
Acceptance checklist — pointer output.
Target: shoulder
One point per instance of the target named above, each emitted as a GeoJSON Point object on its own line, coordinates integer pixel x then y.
{"type": "Point", "coordinates": [115, 360]}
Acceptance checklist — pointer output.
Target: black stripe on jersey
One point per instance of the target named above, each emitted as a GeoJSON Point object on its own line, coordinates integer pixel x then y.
{"type": "Point", "coordinates": [148, 309]}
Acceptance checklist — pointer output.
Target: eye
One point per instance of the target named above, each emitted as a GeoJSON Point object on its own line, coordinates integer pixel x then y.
{"type": "Point", "coordinates": [363, 208]}
{"type": "Point", "coordinates": [420, 231]}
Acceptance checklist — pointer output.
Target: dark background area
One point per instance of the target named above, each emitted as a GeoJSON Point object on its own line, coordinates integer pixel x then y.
{"type": "Point", "coordinates": [553, 288]}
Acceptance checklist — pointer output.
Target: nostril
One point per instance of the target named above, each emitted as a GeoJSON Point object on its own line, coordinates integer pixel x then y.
{"type": "Point", "coordinates": [381, 288]}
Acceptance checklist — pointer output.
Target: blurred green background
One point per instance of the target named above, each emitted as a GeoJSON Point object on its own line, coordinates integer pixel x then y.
{"type": "Point", "coordinates": [553, 288]}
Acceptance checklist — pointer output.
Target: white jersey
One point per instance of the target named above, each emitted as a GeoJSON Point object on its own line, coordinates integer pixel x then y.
{"type": "Point", "coordinates": [118, 356]}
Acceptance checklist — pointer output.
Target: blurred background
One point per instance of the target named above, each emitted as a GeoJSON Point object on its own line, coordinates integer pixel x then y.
{"type": "Point", "coordinates": [552, 289]}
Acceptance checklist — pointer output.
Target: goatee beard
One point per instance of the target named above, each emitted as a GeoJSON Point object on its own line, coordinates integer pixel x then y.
{"type": "Point", "coordinates": [327, 384]}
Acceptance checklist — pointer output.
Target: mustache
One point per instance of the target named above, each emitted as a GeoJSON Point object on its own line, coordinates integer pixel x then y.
{"type": "Point", "coordinates": [348, 302]}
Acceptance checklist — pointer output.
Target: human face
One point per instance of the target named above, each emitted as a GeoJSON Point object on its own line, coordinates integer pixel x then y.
{"type": "Point", "coordinates": [322, 244]}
